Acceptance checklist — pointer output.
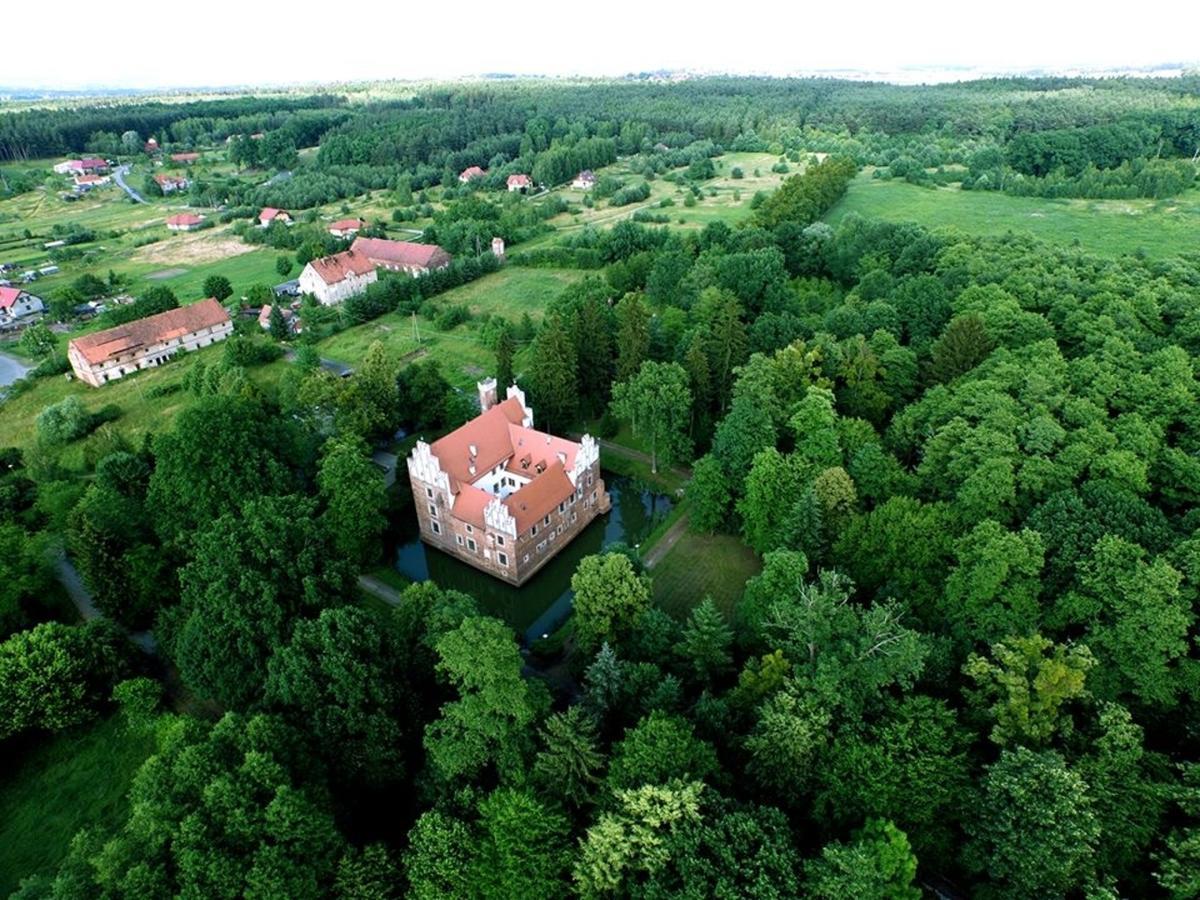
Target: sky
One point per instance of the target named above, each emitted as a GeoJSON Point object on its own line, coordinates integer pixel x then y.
{"type": "Point", "coordinates": [143, 44]}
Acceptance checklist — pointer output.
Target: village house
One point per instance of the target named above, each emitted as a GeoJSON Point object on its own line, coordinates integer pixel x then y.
{"type": "Point", "coordinates": [87, 182]}
{"type": "Point", "coordinates": [345, 228]}
{"type": "Point", "coordinates": [184, 222]}
{"type": "Point", "coordinates": [145, 343]}
{"type": "Point", "coordinates": [66, 167]}
{"type": "Point", "coordinates": [502, 496]}
{"type": "Point", "coordinates": [585, 180]}
{"type": "Point", "coordinates": [332, 279]}
{"type": "Point", "coordinates": [171, 183]}
{"type": "Point", "coordinates": [290, 319]}
{"type": "Point", "coordinates": [519, 182]}
{"type": "Point", "coordinates": [402, 256]}
{"type": "Point", "coordinates": [271, 214]}
{"type": "Point", "coordinates": [470, 173]}
{"type": "Point", "coordinates": [186, 158]}
{"type": "Point", "coordinates": [151, 146]}
{"type": "Point", "coordinates": [16, 304]}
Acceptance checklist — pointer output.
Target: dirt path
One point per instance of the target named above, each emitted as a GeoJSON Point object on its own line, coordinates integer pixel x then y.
{"type": "Point", "coordinates": [377, 588]}
{"type": "Point", "coordinates": [666, 542]}
{"type": "Point", "coordinates": [637, 456]}
{"type": "Point", "coordinates": [68, 577]}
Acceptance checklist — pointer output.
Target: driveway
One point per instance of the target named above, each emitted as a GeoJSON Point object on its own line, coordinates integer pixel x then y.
{"type": "Point", "coordinates": [119, 174]}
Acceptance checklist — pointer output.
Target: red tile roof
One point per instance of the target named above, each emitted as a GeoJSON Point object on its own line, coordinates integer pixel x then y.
{"type": "Point", "coordinates": [170, 179]}
{"type": "Point", "coordinates": [93, 162]}
{"type": "Point", "coordinates": [185, 219]}
{"type": "Point", "coordinates": [174, 323]}
{"type": "Point", "coordinates": [519, 181]}
{"type": "Point", "coordinates": [531, 503]}
{"type": "Point", "coordinates": [270, 213]}
{"type": "Point", "coordinates": [401, 253]}
{"type": "Point", "coordinates": [184, 157]}
{"type": "Point", "coordinates": [8, 296]}
{"type": "Point", "coordinates": [488, 433]}
{"type": "Point", "coordinates": [472, 172]}
{"type": "Point", "coordinates": [90, 179]}
{"type": "Point", "coordinates": [332, 269]}
{"type": "Point", "coordinates": [348, 225]}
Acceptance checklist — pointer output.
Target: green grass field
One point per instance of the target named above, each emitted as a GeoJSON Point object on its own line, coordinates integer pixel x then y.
{"type": "Point", "coordinates": [75, 779]}
{"type": "Point", "coordinates": [717, 565]}
{"type": "Point", "coordinates": [1107, 227]}
{"type": "Point", "coordinates": [464, 359]}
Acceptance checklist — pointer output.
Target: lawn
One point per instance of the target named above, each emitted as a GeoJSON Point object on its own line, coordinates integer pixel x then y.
{"type": "Point", "coordinates": [463, 357]}
{"type": "Point", "coordinates": [75, 779]}
{"type": "Point", "coordinates": [1106, 227]}
{"type": "Point", "coordinates": [715, 565]}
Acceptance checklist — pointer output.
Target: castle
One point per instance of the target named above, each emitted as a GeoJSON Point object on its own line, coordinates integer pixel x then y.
{"type": "Point", "coordinates": [502, 496]}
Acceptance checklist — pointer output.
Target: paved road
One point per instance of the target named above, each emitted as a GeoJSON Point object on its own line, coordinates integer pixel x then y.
{"type": "Point", "coordinates": [68, 577]}
{"type": "Point", "coordinates": [666, 542]}
{"type": "Point", "coordinates": [119, 174]}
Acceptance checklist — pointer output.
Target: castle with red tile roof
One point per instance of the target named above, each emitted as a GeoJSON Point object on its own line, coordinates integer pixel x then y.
{"type": "Point", "coordinates": [501, 495]}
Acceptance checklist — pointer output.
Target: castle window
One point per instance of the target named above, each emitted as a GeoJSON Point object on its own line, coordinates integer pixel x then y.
{"type": "Point", "coordinates": [546, 521]}
{"type": "Point", "coordinates": [470, 530]}
{"type": "Point", "coordinates": [437, 529]}
{"type": "Point", "coordinates": [562, 506]}
{"type": "Point", "coordinates": [429, 493]}
{"type": "Point", "coordinates": [533, 531]}
{"type": "Point", "coordinates": [502, 558]}
{"type": "Point", "coordinates": [500, 539]}
{"type": "Point", "coordinates": [471, 545]}
{"type": "Point", "coordinates": [526, 557]}
{"type": "Point", "coordinates": [432, 510]}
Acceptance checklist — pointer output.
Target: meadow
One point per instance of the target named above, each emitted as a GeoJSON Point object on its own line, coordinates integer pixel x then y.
{"type": "Point", "coordinates": [1159, 229]}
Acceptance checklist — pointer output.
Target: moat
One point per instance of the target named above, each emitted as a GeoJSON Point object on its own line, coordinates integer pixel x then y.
{"type": "Point", "coordinates": [539, 606]}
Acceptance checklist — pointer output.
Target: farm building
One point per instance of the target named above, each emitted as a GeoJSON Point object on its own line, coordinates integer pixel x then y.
{"type": "Point", "coordinates": [402, 256]}
{"type": "Point", "coordinates": [87, 182]}
{"type": "Point", "coordinates": [585, 180]}
{"type": "Point", "coordinates": [271, 214]}
{"type": "Point", "coordinates": [171, 183]}
{"type": "Point", "coordinates": [186, 158]}
{"type": "Point", "coordinates": [502, 496]}
{"type": "Point", "coordinates": [332, 279]}
{"type": "Point", "coordinates": [184, 222]}
{"type": "Point", "coordinates": [344, 228]}
{"type": "Point", "coordinates": [471, 172]}
{"type": "Point", "coordinates": [17, 304]}
{"type": "Point", "coordinates": [145, 343]}
{"type": "Point", "coordinates": [519, 182]}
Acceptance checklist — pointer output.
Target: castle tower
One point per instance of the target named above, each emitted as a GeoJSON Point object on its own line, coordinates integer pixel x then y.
{"type": "Point", "coordinates": [488, 394]}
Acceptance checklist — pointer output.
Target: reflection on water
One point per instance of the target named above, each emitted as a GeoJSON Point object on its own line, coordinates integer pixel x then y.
{"type": "Point", "coordinates": [543, 602]}
{"type": "Point", "coordinates": [11, 369]}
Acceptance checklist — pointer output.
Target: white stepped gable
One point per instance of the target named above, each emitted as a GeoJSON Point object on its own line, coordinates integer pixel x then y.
{"type": "Point", "coordinates": [586, 456]}
{"type": "Point", "coordinates": [514, 391]}
{"type": "Point", "coordinates": [425, 466]}
{"type": "Point", "coordinates": [498, 518]}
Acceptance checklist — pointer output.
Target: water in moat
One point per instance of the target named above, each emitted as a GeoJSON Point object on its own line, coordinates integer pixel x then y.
{"type": "Point", "coordinates": [542, 603]}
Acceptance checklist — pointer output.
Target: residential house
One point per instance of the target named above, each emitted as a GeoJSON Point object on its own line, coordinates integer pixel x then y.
{"type": "Point", "coordinates": [171, 183]}
{"type": "Point", "coordinates": [519, 182]}
{"type": "Point", "coordinates": [93, 165]}
{"type": "Point", "coordinates": [186, 158]}
{"type": "Point", "coordinates": [332, 279]}
{"type": "Point", "coordinates": [290, 319]}
{"type": "Point", "coordinates": [145, 343]}
{"type": "Point", "coordinates": [184, 222]}
{"type": "Point", "coordinates": [16, 303]}
{"type": "Point", "coordinates": [345, 228]}
{"type": "Point", "coordinates": [585, 180]}
{"type": "Point", "coordinates": [470, 173]}
{"type": "Point", "coordinates": [87, 182]}
{"type": "Point", "coordinates": [402, 256]}
{"type": "Point", "coordinates": [271, 214]}
{"type": "Point", "coordinates": [502, 496]}
{"type": "Point", "coordinates": [151, 146]}
{"type": "Point", "coordinates": [67, 167]}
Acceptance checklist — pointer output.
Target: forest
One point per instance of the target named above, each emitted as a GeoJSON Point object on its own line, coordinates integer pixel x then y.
{"type": "Point", "coordinates": [968, 468]}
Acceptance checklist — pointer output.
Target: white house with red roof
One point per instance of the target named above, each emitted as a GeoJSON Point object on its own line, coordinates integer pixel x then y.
{"type": "Point", "coordinates": [585, 180]}
{"type": "Point", "coordinates": [168, 184]}
{"type": "Point", "coordinates": [344, 228]}
{"type": "Point", "coordinates": [519, 182]}
{"type": "Point", "coordinates": [271, 214]}
{"type": "Point", "coordinates": [184, 222]}
{"type": "Point", "coordinates": [402, 256]}
{"type": "Point", "coordinates": [93, 165]}
{"type": "Point", "coordinates": [501, 495]}
{"type": "Point", "coordinates": [66, 167]}
{"type": "Point", "coordinates": [87, 182]}
{"type": "Point", "coordinates": [471, 173]}
{"type": "Point", "coordinates": [333, 279]}
{"type": "Point", "coordinates": [16, 304]}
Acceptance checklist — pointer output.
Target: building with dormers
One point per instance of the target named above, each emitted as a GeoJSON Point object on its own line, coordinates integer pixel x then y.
{"type": "Point", "coordinates": [502, 496]}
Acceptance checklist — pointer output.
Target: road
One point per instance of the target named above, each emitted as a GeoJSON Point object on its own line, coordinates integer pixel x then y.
{"type": "Point", "coordinates": [119, 174]}
{"type": "Point", "coordinates": [666, 542]}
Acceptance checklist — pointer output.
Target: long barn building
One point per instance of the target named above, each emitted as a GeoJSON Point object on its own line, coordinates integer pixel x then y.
{"type": "Point", "coordinates": [107, 355]}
